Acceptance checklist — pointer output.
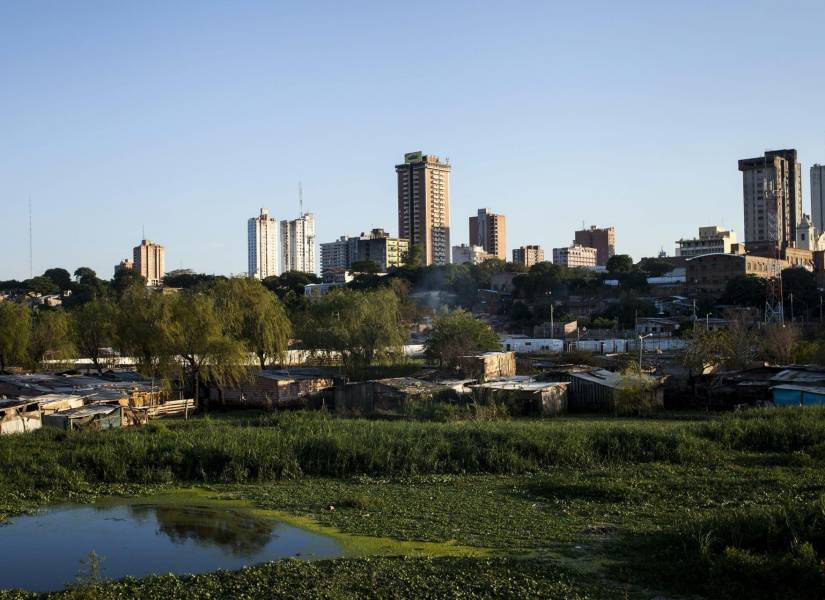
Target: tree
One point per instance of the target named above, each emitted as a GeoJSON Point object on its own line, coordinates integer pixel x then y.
{"type": "Point", "coordinates": [196, 336]}
{"type": "Point", "coordinates": [414, 257]}
{"type": "Point", "coordinates": [289, 287]}
{"type": "Point", "coordinates": [15, 333]}
{"type": "Point", "coordinates": [633, 280]}
{"type": "Point", "coordinates": [126, 279]}
{"type": "Point", "coordinates": [799, 284]}
{"type": "Point", "coordinates": [628, 308]}
{"type": "Point", "coordinates": [779, 343]}
{"type": "Point", "coordinates": [745, 290]}
{"type": "Point", "coordinates": [655, 267]}
{"type": "Point", "coordinates": [361, 327]}
{"type": "Point", "coordinates": [457, 333]}
{"type": "Point", "coordinates": [95, 329]}
{"type": "Point", "coordinates": [365, 266]}
{"type": "Point", "coordinates": [619, 263]}
{"type": "Point", "coordinates": [87, 287]}
{"type": "Point", "coordinates": [256, 317]}
{"type": "Point", "coordinates": [635, 394]}
{"type": "Point", "coordinates": [140, 331]}
{"type": "Point", "coordinates": [52, 337]}
{"type": "Point", "coordinates": [41, 285]}
{"type": "Point", "coordinates": [60, 277]}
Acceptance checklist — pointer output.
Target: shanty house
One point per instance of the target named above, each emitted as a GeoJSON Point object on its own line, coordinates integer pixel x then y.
{"type": "Point", "coordinates": [601, 391]}
{"type": "Point", "coordinates": [388, 397]}
{"type": "Point", "coordinates": [524, 396]}
{"type": "Point", "coordinates": [89, 417]}
{"type": "Point", "coordinates": [488, 365]}
{"type": "Point", "coordinates": [273, 388]}
{"type": "Point", "coordinates": [798, 395]}
{"type": "Point", "coordinates": [19, 416]}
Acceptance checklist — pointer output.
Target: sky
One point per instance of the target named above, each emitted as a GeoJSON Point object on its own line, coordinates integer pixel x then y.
{"type": "Point", "coordinates": [182, 119]}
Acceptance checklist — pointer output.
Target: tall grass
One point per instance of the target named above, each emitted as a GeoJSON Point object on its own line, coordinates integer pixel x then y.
{"type": "Point", "coordinates": [770, 430]}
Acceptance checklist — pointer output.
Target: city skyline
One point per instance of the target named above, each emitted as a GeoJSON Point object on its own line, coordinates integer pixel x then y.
{"type": "Point", "coordinates": [104, 127]}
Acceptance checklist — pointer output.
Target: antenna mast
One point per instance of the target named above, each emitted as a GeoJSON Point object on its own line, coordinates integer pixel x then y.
{"type": "Point", "coordinates": [774, 306]}
{"type": "Point", "coordinates": [300, 200]}
{"type": "Point", "coordinates": [31, 261]}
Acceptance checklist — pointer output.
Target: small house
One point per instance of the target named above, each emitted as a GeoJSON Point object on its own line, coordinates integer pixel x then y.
{"type": "Point", "coordinates": [19, 416]}
{"type": "Point", "coordinates": [601, 391]}
{"type": "Point", "coordinates": [93, 417]}
{"type": "Point", "coordinates": [388, 397]}
{"type": "Point", "coordinates": [798, 395]}
{"type": "Point", "coordinates": [488, 365]}
{"type": "Point", "coordinates": [524, 396]}
{"type": "Point", "coordinates": [275, 388]}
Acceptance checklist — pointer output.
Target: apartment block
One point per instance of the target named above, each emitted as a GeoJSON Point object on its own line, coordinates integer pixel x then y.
{"type": "Point", "coordinates": [262, 241]}
{"type": "Point", "coordinates": [713, 239]}
{"type": "Point", "coordinates": [489, 231]}
{"type": "Point", "coordinates": [474, 255]}
{"type": "Point", "coordinates": [528, 255]}
{"type": "Point", "coordinates": [603, 239]}
{"type": "Point", "coordinates": [424, 205]}
{"type": "Point", "coordinates": [376, 246]}
{"type": "Point", "coordinates": [149, 261]}
{"type": "Point", "coordinates": [298, 244]}
{"type": "Point", "coordinates": [772, 197]}
{"type": "Point", "coordinates": [575, 256]}
{"type": "Point", "coordinates": [818, 197]}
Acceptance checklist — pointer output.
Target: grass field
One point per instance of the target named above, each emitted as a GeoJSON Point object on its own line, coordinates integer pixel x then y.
{"type": "Point", "coordinates": [724, 507]}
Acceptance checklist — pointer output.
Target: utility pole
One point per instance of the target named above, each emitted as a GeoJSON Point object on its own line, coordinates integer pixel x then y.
{"type": "Point", "coordinates": [707, 321]}
{"type": "Point", "coordinates": [31, 253]}
{"type": "Point", "coordinates": [641, 349]}
{"type": "Point", "coordinates": [791, 295]}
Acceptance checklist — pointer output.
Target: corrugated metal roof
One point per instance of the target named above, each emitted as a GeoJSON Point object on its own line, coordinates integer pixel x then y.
{"type": "Point", "coordinates": [88, 411]}
{"type": "Point", "coordinates": [800, 388]}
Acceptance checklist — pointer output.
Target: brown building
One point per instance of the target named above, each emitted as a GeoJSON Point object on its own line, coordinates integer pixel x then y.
{"type": "Point", "coordinates": [710, 273]}
{"type": "Point", "coordinates": [149, 261]}
{"type": "Point", "coordinates": [795, 257]}
{"type": "Point", "coordinates": [602, 239]}
{"type": "Point", "coordinates": [772, 195]}
{"type": "Point", "coordinates": [528, 255]}
{"type": "Point", "coordinates": [424, 205]}
{"type": "Point", "coordinates": [489, 231]}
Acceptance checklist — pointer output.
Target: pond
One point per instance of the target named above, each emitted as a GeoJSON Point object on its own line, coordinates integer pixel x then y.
{"type": "Point", "coordinates": [45, 551]}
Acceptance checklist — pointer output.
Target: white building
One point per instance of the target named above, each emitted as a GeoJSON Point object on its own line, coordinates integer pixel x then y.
{"type": "Point", "coordinates": [298, 244]}
{"type": "Point", "coordinates": [818, 196]}
{"type": "Point", "coordinates": [575, 256]}
{"type": "Point", "coordinates": [711, 240]}
{"type": "Point", "coordinates": [475, 255]}
{"type": "Point", "coordinates": [809, 237]}
{"type": "Point", "coordinates": [262, 236]}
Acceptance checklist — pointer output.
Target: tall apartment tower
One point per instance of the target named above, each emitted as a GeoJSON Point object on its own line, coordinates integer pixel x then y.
{"type": "Point", "coordinates": [528, 255]}
{"type": "Point", "coordinates": [818, 196]}
{"type": "Point", "coordinates": [772, 197]}
{"type": "Point", "coordinates": [298, 244]}
{"type": "Point", "coordinates": [424, 205]}
{"type": "Point", "coordinates": [149, 262]}
{"type": "Point", "coordinates": [262, 236]}
{"type": "Point", "coordinates": [489, 231]}
{"type": "Point", "coordinates": [602, 239]}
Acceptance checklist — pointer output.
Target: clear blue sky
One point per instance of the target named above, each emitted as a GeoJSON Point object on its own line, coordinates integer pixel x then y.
{"type": "Point", "coordinates": [187, 117]}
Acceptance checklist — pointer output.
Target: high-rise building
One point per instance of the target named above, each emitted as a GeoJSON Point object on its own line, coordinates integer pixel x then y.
{"type": "Point", "coordinates": [528, 255]}
{"type": "Point", "coordinates": [602, 239]}
{"type": "Point", "coordinates": [262, 236]}
{"type": "Point", "coordinates": [818, 196]}
{"type": "Point", "coordinates": [575, 256]}
{"type": "Point", "coordinates": [149, 262]}
{"type": "Point", "coordinates": [298, 244]}
{"type": "Point", "coordinates": [489, 231]}
{"type": "Point", "coordinates": [376, 246]}
{"type": "Point", "coordinates": [772, 197]}
{"type": "Point", "coordinates": [424, 205]}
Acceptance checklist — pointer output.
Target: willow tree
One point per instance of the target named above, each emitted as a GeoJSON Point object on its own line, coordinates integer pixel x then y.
{"type": "Point", "coordinates": [456, 333]}
{"type": "Point", "coordinates": [140, 329]}
{"type": "Point", "coordinates": [15, 333]}
{"type": "Point", "coordinates": [52, 337]}
{"type": "Point", "coordinates": [198, 338]}
{"type": "Point", "coordinates": [95, 329]}
{"type": "Point", "coordinates": [361, 327]}
{"type": "Point", "coordinates": [256, 317]}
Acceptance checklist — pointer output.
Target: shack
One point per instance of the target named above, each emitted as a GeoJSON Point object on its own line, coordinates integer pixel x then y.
{"type": "Point", "coordinates": [275, 388]}
{"type": "Point", "coordinates": [524, 396]}
{"type": "Point", "coordinates": [94, 417]}
{"type": "Point", "coordinates": [600, 391]}
{"type": "Point", "coordinates": [798, 395]}
{"type": "Point", "coordinates": [52, 403]}
{"type": "Point", "coordinates": [19, 416]}
{"type": "Point", "coordinates": [389, 397]}
{"type": "Point", "coordinates": [488, 365]}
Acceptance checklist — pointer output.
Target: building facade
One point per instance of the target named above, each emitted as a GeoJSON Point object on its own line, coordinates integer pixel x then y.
{"type": "Point", "coordinates": [528, 255]}
{"type": "Point", "coordinates": [576, 256]}
{"type": "Point", "coordinates": [262, 244]}
{"type": "Point", "coordinates": [772, 197]}
{"type": "Point", "coordinates": [710, 273]}
{"type": "Point", "coordinates": [424, 205]}
{"type": "Point", "coordinates": [711, 240]}
{"type": "Point", "coordinates": [474, 255]}
{"type": "Point", "coordinates": [489, 231]}
{"type": "Point", "coordinates": [376, 246]}
{"type": "Point", "coordinates": [818, 197]}
{"type": "Point", "coordinates": [298, 244]}
{"type": "Point", "coordinates": [602, 239]}
{"type": "Point", "coordinates": [149, 261]}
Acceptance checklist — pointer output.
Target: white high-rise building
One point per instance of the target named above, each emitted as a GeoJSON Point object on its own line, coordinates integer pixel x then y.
{"type": "Point", "coordinates": [298, 244]}
{"type": "Point", "coordinates": [818, 196]}
{"type": "Point", "coordinates": [262, 235]}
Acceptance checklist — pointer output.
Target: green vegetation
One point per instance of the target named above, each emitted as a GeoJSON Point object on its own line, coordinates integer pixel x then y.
{"type": "Point", "coordinates": [721, 507]}
{"type": "Point", "coordinates": [457, 333]}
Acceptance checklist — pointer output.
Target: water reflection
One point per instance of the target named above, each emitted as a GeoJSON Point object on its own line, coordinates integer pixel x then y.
{"type": "Point", "coordinates": [239, 533]}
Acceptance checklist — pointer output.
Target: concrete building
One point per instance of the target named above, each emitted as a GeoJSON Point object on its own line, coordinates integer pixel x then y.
{"type": "Point", "coordinates": [298, 244]}
{"type": "Point", "coordinates": [528, 255]}
{"type": "Point", "coordinates": [376, 246]}
{"type": "Point", "coordinates": [772, 197]}
{"type": "Point", "coordinates": [818, 197]}
{"type": "Point", "coordinates": [602, 239]}
{"type": "Point", "coordinates": [710, 273]}
{"type": "Point", "coordinates": [474, 255]}
{"type": "Point", "coordinates": [126, 263]}
{"type": "Point", "coordinates": [149, 261]}
{"type": "Point", "coordinates": [489, 231]}
{"type": "Point", "coordinates": [262, 241]}
{"type": "Point", "coordinates": [575, 256]}
{"type": "Point", "coordinates": [424, 205]}
{"type": "Point", "coordinates": [711, 240]}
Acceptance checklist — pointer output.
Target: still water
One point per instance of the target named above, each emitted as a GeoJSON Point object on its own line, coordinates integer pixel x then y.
{"type": "Point", "coordinates": [43, 552]}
